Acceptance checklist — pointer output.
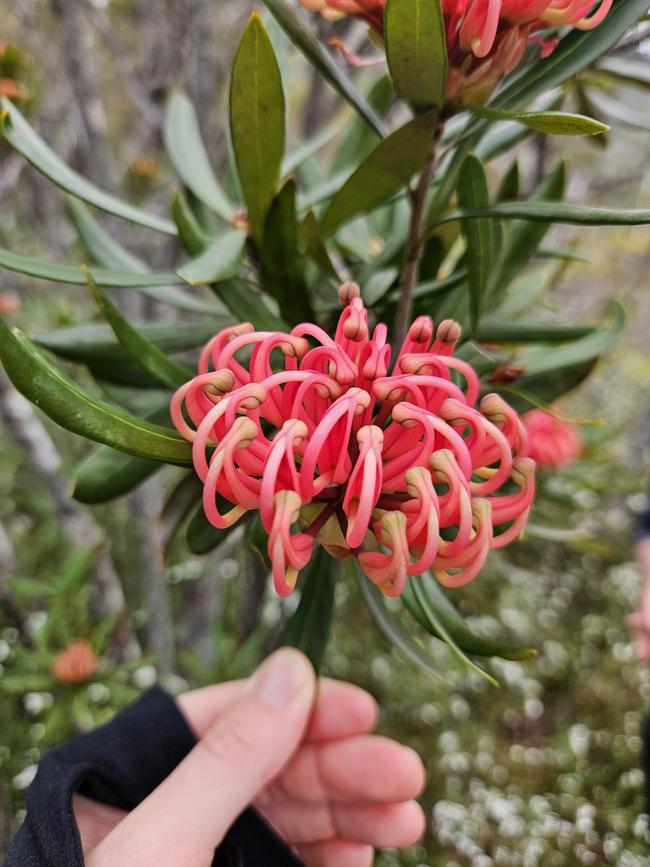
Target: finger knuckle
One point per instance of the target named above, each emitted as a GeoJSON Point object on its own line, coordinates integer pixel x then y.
{"type": "Point", "coordinates": [228, 746]}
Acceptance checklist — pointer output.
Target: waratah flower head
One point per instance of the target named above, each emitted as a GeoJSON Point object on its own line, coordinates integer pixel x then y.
{"type": "Point", "coordinates": [553, 442]}
{"type": "Point", "coordinates": [399, 467]}
{"type": "Point", "coordinates": [486, 39]}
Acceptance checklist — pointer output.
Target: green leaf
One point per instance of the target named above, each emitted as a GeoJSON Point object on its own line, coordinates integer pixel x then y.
{"type": "Point", "coordinates": [438, 611]}
{"type": "Point", "coordinates": [91, 342]}
{"type": "Point", "coordinates": [257, 538]}
{"type": "Point", "coordinates": [107, 474]}
{"type": "Point", "coordinates": [576, 51]}
{"type": "Point", "coordinates": [499, 330]}
{"type": "Point", "coordinates": [555, 212]}
{"type": "Point", "coordinates": [106, 251]}
{"type": "Point", "coordinates": [539, 360]}
{"type": "Point", "coordinates": [186, 151]}
{"type": "Point", "coordinates": [416, 51]}
{"type": "Point", "coordinates": [387, 170]}
{"type": "Point", "coordinates": [634, 71]}
{"type": "Point", "coordinates": [248, 306]}
{"type": "Point", "coordinates": [163, 368]}
{"type": "Point", "coordinates": [418, 604]}
{"type": "Point", "coordinates": [283, 272]}
{"type": "Point", "coordinates": [220, 261]}
{"type": "Point", "coordinates": [72, 408]}
{"type": "Point", "coordinates": [314, 245]}
{"type": "Point", "coordinates": [360, 138]}
{"type": "Point", "coordinates": [305, 40]}
{"type": "Point", "coordinates": [309, 148]}
{"type": "Point", "coordinates": [547, 122]}
{"type": "Point", "coordinates": [200, 535]}
{"type": "Point", "coordinates": [392, 629]}
{"type": "Point", "coordinates": [479, 234]}
{"type": "Point", "coordinates": [510, 184]}
{"type": "Point", "coordinates": [190, 232]}
{"type": "Point", "coordinates": [309, 626]}
{"type": "Point", "coordinates": [60, 272]}
{"type": "Point", "coordinates": [257, 121]}
{"type": "Point", "coordinates": [22, 138]}
{"type": "Point", "coordinates": [378, 284]}
{"type": "Point", "coordinates": [521, 239]}
{"type": "Point", "coordinates": [549, 374]}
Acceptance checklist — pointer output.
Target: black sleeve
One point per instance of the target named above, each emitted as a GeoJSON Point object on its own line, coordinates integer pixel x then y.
{"type": "Point", "coordinates": [120, 764]}
{"type": "Point", "coordinates": [643, 527]}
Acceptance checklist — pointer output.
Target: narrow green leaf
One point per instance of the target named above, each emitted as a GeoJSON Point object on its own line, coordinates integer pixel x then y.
{"type": "Point", "coordinates": [521, 239]}
{"type": "Point", "coordinates": [378, 284]}
{"type": "Point", "coordinates": [163, 368]}
{"type": "Point", "coordinates": [93, 342]}
{"type": "Point", "coordinates": [257, 121]}
{"type": "Point", "coordinates": [248, 306]}
{"type": "Point", "coordinates": [106, 474]}
{"type": "Point", "coordinates": [539, 360]}
{"type": "Point", "coordinates": [416, 601]}
{"type": "Point", "coordinates": [257, 538]}
{"type": "Point", "coordinates": [311, 146]}
{"type": "Point", "coordinates": [72, 408]}
{"type": "Point", "coordinates": [627, 69]}
{"type": "Point", "coordinates": [547, 122]}
{"type": "Point", "coordinates": [305, 40]}
{"type": "Point", "coordinates": [550, 374]}
{"type": "Point", "coordinates": [360, 138]}
{"type": "Point", "coordinates": [479, 234]}
{"type": "Point", "coordinates": [22, 138]}
{"type": "Point", "coordinates": [555, 212]}
{"type": "Point", "coordinates": [416, 51]}
{"type": "Point", "coordinates": [510, 184]}
{"type": "Point", "coordinates": [392, 629]}
{"type": "Point", "coordinates": [200, 535]}
{"type": "Point", "coordinates": [106, 251]}
{"type": "Point", "coordinates": [438, 608]}
{"type": "Point", "coordinates": [309, 626]}
{"type": "Point", "coordinates": [314, 245]}
{"type": "Point", "coordinates": [562, 254]}
{"type": "Point", "coordinates": [387, 170]}
{"type": "Point", "coordinates": [191, 233]}
{"type": "Point", "coordinates": [283, 266]}
{"type": "Point", "coordinates": [187, 153]}
{"type": "Point", "coordinates": [220, 261]}
{"type": "Point", "coordinates": [60, 272]}
{"type": "Point", "coordinates": [518, 331]}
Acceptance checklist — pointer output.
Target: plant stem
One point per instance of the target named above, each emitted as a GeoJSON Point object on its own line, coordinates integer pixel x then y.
{"type": "Point", "coordinates": [413, 251]}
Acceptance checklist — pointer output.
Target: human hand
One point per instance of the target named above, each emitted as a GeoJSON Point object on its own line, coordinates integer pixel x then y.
{"type": "Point", "coordinates": [306, 761]}
{"type": "Point", "coordinates": [639, 622]}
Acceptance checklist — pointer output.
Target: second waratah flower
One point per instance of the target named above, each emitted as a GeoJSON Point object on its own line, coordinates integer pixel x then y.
{"type": "Point", "coordinates": [486, 39]}
{"type": "Point", "coordinates": [401, 469]}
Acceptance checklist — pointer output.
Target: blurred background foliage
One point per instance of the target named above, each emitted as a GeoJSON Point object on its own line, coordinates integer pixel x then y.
{"type": "Point", "coordinates": [543, 770]}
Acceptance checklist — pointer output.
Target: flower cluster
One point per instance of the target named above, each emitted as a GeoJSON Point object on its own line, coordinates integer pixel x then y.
{"type": "Point", "coordinates": [553, 442]}
{"type": "Point", "coordinates": [486, 39]}
{"type": "Point", "coordinates": [76, 664]}
{"type": "Point", "coordinates": [400, 469]}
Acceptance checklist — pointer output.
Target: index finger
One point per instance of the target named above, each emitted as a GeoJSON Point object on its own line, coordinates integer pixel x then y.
{"type": "Point", "coordinates": [341, 709]}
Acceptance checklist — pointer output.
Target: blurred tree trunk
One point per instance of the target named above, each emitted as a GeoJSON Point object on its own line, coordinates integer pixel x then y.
{"type": "Point", "coordinates": [78, 58]}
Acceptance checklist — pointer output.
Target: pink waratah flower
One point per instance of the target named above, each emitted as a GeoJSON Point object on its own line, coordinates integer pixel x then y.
{"type": "Point", "coordinates": [486, 39]}
{"type": "Point", "coordinates": [552, 442]}
{"type": "Point", "coordinates": [400, 469]}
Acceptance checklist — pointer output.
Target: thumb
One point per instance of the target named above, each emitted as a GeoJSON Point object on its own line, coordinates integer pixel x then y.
{"type": "Point", "coordinates": [188, 815]}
